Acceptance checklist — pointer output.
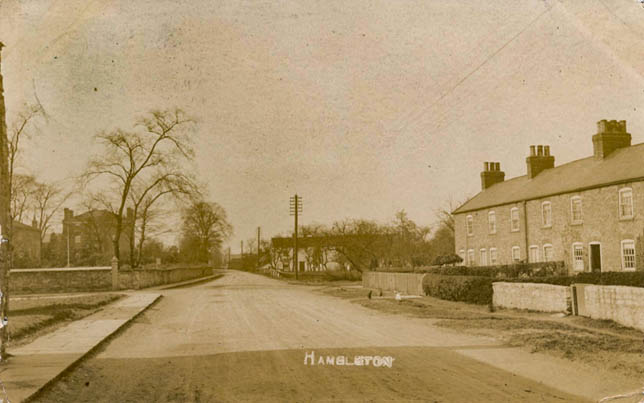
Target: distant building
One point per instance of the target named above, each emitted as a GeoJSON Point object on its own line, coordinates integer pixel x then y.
{"type": "Point", "coordinates": [588, 213]}
{"type": "Point", "coordinates": [314, 253]}
{"type": "Point", "coordinates": [26, 245]}
{"type": "Point", "coordinates": [88, 237]}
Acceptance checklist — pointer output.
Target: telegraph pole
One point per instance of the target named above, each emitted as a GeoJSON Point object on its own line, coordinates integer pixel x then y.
{"type": "Point", "coordinates": [259, 229]}
{"type": "Point", "coordinates": [295, 210]}
{"type": "Point", "coordinates": [5, 258]}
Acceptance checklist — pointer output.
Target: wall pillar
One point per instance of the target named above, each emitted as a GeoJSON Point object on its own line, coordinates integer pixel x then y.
{"type": "Point", "coordinates": [115, 273]}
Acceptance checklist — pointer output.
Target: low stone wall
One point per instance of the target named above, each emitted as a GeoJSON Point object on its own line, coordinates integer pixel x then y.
{"type": "Point", "coordinates": [406, 283]}
{"type": "Point", "coordinates": [624, 305]}
{"type": "Point", "coordinates": [136, 279]}
{"type": "Point", "coordinates": [532, 296]}
{"type": "Point", "coordinates": [44, 281]}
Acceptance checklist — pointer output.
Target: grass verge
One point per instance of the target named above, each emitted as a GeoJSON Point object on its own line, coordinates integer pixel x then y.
{"type": "Point", "coordinates": [31, 316]}
{"type": "Point", "coordinates": [599, 343]}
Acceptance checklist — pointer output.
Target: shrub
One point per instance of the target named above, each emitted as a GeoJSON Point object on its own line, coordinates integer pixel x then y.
{"type": "Point", "coordinates": [447, 259]}
{"type": "Point", "coordinates": [472, 289]}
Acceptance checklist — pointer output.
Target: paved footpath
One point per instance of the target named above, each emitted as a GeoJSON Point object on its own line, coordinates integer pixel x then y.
{"type": "Point", "coordinates": [36, 364]}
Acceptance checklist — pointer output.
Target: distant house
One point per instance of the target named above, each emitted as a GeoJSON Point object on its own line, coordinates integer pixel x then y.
{"type": "Point", "coordinates": [314, 253]}
{"type": "Point", "coordinates": [88, 237]}
{"type": "Point", "coordinates": [26, 245]}
{"type": "Point", "coordinates": [588, 213]}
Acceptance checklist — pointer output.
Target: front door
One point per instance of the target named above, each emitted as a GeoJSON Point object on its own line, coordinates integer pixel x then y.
{"type": "Point", "coordinates": [595, 258]}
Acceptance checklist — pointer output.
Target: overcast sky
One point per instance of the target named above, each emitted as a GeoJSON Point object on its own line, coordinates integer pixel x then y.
{"type": "Point", "coordinates": [361, 107]}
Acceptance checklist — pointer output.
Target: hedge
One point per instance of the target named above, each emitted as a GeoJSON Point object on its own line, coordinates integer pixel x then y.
{"type": "Point", "coordinates": [472, 289]}
{"type": "Point", "coordinates": [631, 279]}
{"type": "Point", "coordinates": [541, 269]}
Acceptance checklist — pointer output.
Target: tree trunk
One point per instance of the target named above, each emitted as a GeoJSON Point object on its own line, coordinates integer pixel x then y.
{"type": "Point", "coordinates": [5, 199]}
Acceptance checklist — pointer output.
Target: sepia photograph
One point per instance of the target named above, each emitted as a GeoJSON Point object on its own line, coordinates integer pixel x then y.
{"type": "Point", "coordinates": [321, 201]}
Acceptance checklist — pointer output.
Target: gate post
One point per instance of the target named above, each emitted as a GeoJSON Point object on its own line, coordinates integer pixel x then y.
{"type": "Point", "coordinates": [115, 274]}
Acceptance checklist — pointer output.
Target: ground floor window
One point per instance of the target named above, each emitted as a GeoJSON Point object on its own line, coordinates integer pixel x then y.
{"type": "Point", "coordinates": [470, 257]}
{"type": "Point", "coordinates": [493, 257]}
{"type": "Point", "coordinates": [547, 253]}
{"type": "Point", "coordinates": [578, 257]}
{"type": "Point", "coordinates": [461, 253]}
{"type": "Point", "coordinates": [534, 254]}
{"type": "Point", "coordinates": [628, 255]}
{"type": "Point", "coordinates": [516, 253]}
{"type": "Point", "coordinates": [483, 257]}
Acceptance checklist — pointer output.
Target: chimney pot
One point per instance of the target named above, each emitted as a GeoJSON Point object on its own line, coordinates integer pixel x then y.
{"type": "Point", "coordinates": [497, 166]}
{"type": "Point", "coordinates": [486, 166]}
{"type": "Point", "coordinates": [546, 150]}
{"type": "Point", "coordinates": [532, 153]}
{"type": "Point", "coordinates": [540, 150]}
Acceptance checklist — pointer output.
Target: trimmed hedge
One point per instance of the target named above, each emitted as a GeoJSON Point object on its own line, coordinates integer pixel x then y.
{"type": "Point", "coordinates": [517, 270]}
{"type": "Point", "coordinates": [630, 279]}
{"type": "Point", "coordinates": [472, 289]}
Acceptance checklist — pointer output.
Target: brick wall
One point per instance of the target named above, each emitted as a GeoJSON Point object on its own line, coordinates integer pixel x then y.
{"type": "Point", "coordinates": [535, 297]}
{"type": "Point", "coordinates": [624, 305]}
{"type": "Point", "coordinates": [601, 224]}
{"type": "Point", "coordinates": [406, 283]}
{"type": "Point", "coordinates": [42, 281]}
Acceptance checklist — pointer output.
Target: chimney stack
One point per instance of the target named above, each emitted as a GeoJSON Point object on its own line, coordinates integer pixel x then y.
{"type": "Point", "coordinates": [542, 160]}
{"type": "Point", "coordinates": [68, 214]}
{"type": "Point", "coordinates": [491, 174]}
{"type": "Point", "coordinates": [611, 135]}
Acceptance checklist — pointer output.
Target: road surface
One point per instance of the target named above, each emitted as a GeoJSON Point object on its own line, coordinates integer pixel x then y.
{"type": "Point", "coordinates": [245, 337]}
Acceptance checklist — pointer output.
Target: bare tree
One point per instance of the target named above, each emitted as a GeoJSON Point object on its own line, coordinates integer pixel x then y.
{"type": "Point", "coordinates": [144, 198]}
{"type": "Point", "coordinates": [132, 158]}
{"type": "Point", "coordinates": [206, 224]}
{"type": "Point", "coordinates": [48, 198]}
{"type": "Point", "coordinates": [22, 195]}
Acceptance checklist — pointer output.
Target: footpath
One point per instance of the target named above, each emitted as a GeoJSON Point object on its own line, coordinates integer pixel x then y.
{"type": "Point", "coordinates": [33, 366]}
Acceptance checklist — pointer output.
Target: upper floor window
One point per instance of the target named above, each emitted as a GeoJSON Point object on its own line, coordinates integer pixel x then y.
{"type": "Point", "coordinates": [470, 257]}
{"type": "Point", "coordinates": [469, 224]}
{"type": "Point", "coordinates": [534, 253]}
{"type": "Point", "coordinates": [491, 222]}
{"type": "Point", "coordinates": [483, 257]}
{"type": "Point", "coordinates": [514, 219]}
{"type": "Point", "coordinates": [547, 253]}
{"type": "Point", "coordinates": [578, 256]}
{"type": "Point", "coordinates": [626, 203]}
{"type": "Point", "coordinates": [77, 239]}
{"type": "Point", "coordinates": [575, 210]}
{"type": "Point", "coordinates": [493, 256]}
{"type": "Point", "coordinates": [628, 255]}
{"type": "Point", "coordinates": [546, 214]}
{"type": "Point", "coordinates": [516, 253]}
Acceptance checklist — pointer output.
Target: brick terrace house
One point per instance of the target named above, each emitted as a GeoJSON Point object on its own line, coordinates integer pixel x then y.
{"type": "Point", "coordinates": [89, 236]}
{"type": "Point", "coordinates": [588, 213]}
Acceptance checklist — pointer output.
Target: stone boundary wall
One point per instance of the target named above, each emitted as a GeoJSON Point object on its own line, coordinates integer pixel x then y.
{"type": "Point", "coordinates": [532, 296]}
{"type": "Point", "coordinates": [624, 305]}
{"type": "Point", "coordinates": [406, 283]}
{"type": "Point", "coordinates": [44, 281]}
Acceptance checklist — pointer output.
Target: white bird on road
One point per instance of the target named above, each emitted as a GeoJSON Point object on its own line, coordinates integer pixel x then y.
{"type": "Point", "coordinates": [398, 297]}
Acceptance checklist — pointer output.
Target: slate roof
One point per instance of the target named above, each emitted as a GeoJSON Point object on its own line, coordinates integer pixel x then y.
{"type": "Point", "coordinates": [621, 166]}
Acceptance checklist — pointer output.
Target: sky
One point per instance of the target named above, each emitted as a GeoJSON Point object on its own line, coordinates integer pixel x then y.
{"type": "Point", "coordinates": [362, 108]}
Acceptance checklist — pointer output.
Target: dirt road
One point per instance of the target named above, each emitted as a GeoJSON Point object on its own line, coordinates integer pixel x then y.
{"type": "Point", "coordinates": [245, 338]}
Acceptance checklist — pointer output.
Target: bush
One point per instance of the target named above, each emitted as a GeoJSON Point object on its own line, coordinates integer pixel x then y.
{"type": "Point", "coordinates": [630, 279]}
{"type": "Point", "coordinates": [447, 259]}
{"type": "Point", "coordinates": [472, 289]}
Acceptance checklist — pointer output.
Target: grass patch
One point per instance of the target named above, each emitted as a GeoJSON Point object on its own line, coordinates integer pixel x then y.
{"type": "Point", "coordinates": [31, 316]}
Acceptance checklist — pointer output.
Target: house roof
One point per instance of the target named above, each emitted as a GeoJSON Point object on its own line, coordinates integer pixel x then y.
{"type": "Point", "coordinates": [17, 225]}
{"type": "Point", "coordinates": [621, 166]}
